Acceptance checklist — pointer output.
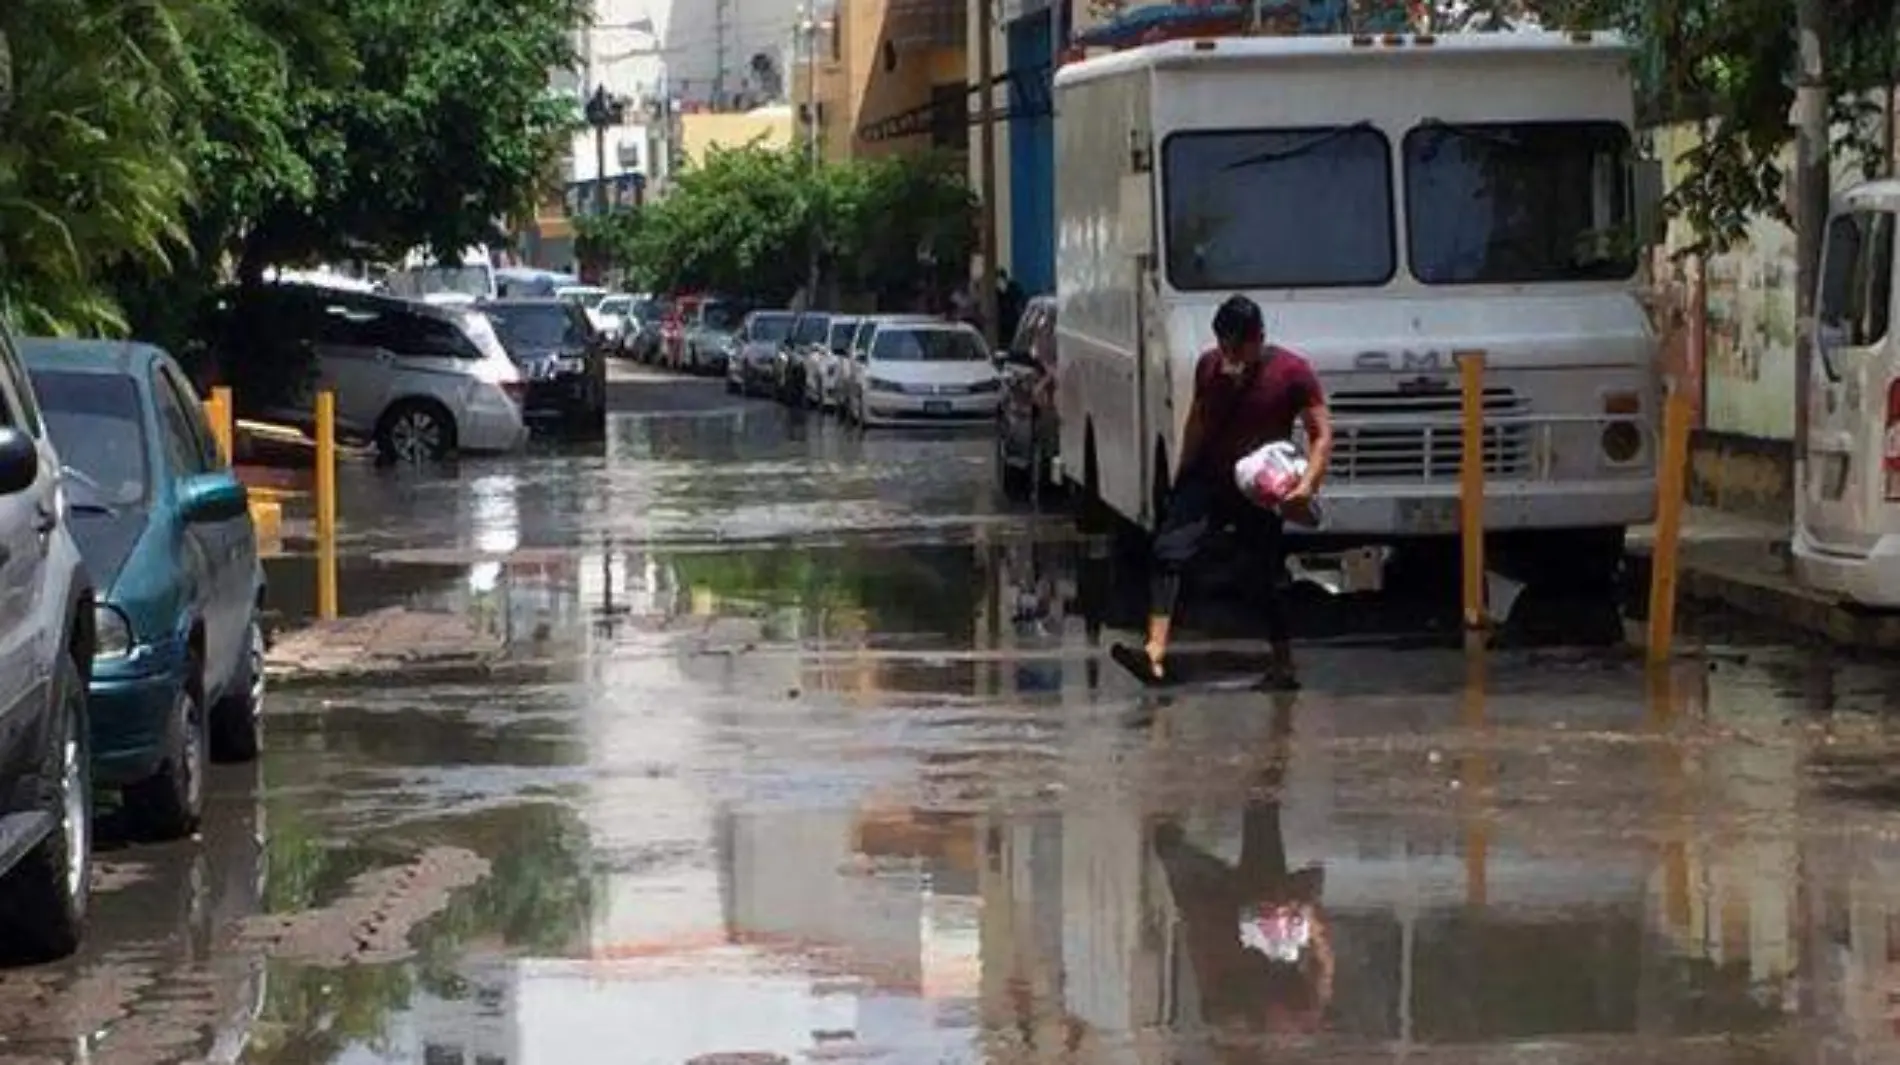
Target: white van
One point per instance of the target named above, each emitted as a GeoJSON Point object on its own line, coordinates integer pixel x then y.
{"type": "Point", "coordinates": [1847, 506]}
{"type": "Point", "coordinates": [1389, 202]}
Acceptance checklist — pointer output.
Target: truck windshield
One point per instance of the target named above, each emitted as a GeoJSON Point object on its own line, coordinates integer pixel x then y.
{"type": "Point", "coordinates": [1507, 203]}
{"type": "Point", "coordinates": [1279, 208]}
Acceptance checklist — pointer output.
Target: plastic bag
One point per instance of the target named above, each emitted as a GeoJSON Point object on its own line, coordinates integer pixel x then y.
{"type": "Point", "coordinates": [1267, 475]}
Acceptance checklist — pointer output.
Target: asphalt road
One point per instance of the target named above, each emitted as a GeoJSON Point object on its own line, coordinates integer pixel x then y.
{"type": "Point", "coordinates": [819, 757]}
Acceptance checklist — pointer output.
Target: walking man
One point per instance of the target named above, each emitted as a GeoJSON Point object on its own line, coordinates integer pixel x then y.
{"type": "Point", "coordinates": [1247, 393]}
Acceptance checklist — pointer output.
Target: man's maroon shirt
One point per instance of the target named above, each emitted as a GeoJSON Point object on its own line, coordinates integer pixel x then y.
{"type": "Point", "coordinates": [1240, 415]}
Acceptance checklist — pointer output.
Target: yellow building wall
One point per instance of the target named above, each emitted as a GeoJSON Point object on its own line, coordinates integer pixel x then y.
{"type": "Point", "coordinates": [859, 81]}
{"type": "Point", "coordinates": [769, 126]}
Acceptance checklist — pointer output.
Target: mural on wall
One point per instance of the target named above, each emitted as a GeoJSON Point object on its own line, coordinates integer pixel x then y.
{"type": "Point", "coordinates": [1748, 358]}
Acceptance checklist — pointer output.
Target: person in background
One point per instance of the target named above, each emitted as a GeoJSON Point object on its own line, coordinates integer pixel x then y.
{"type": "Point", "coordinates": [1010, 302]}
{"type": "Point", "coordinates": [1247, 393]}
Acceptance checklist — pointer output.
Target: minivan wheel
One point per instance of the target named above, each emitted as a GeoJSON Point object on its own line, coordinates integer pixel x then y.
{"type": "Point", "coordinates": [415, 430]}
{"type": "Point", "coordinates": [43, 899]}
{"type": "Point", "coordinates": [170, 803]}
{"type": "Point", "coordinates": [237, 722]}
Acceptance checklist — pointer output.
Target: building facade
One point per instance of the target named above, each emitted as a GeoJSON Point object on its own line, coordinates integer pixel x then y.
{"type": "Point", "coordinates": [883, 76]}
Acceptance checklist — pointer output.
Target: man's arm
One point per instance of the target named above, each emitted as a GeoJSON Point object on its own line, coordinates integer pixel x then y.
{"type": "Point", "coordinates": [1318, 420]}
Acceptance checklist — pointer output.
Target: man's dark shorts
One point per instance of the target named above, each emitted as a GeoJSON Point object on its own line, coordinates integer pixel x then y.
{"type": "Point", "coordinates": [1202, 505]}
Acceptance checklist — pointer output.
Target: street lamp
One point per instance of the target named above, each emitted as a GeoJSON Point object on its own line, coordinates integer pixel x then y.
{"type": "Point", "coordinates": [603, 110]}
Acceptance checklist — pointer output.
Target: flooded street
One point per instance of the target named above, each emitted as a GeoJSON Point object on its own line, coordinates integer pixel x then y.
{"type": "Point", "coordinates": [802, 745]}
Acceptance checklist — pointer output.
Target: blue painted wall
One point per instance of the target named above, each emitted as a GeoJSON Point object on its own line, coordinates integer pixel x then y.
{"type": "Point", "coordinates": [1032, 157]}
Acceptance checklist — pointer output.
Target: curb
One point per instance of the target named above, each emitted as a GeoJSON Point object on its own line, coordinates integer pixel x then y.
{"type": "Point", "coordinates": [285, 677]}
{"type": "Point", "coordinates": [1767, 591]}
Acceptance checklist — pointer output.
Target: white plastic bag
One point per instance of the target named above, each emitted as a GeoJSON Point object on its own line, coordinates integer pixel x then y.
{"type": "Point", "coordinates": [1268, 474]}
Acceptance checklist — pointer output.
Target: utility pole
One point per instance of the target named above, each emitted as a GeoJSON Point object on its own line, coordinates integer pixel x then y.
{"type": "Point", "coordinates": [1812, 190]}
{"type": "Point", "coordinates": [722, 20]}
{"type": "Point", "coordinates": [986, 151]}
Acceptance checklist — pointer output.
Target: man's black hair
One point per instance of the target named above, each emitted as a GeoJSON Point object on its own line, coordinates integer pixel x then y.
{"type": "Point", "coordinates": [1239, 319]}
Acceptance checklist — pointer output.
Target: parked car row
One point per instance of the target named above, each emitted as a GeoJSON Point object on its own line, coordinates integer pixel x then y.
{"type": "Point", "coordinates": [871, 370]}
{"type": "Point", "coordinates": [418, 380]}
{"type": "Point", "coordinates": [131, 625]}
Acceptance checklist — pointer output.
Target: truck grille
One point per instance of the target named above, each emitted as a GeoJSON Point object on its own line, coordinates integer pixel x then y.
{"type": "Point", "coordinates": [1407, 436]}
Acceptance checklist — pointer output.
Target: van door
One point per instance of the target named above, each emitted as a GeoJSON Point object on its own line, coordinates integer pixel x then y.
{"type": "Point", "coordinates": [1844, 501]}
{"type": "Point", "coordinates": [354, 361]}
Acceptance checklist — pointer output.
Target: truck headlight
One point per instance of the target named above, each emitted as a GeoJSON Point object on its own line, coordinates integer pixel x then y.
{"type": "Point", "coordinates": [111, 632]}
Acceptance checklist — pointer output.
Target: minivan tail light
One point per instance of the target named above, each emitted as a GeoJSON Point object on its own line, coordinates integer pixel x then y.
{"type": "Point", "coordinates": [517, 391]}
{"type": "Point", "coordinates": [1890, 442]}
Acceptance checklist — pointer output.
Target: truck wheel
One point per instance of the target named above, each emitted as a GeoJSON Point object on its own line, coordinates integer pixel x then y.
{"type": "Point", "coordinates": [1014, 482]}
{"type": "Point", "coordinates": [43, 899]}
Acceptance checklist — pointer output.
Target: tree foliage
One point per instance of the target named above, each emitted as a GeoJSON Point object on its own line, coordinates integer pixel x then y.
{"type": "Point", "coordinates": [755, 219]}
{"type": "Point", "coordinates": [144, 146]}
{"type": "Point", "coordinates": [1729, 65]}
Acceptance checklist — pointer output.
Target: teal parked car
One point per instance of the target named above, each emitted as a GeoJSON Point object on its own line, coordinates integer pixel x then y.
{"type": "Point", "coordinates": [165, 528]}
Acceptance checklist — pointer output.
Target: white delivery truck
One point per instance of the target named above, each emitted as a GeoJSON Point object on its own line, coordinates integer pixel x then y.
{"type": "Point", "coordinates": [1389, 201]}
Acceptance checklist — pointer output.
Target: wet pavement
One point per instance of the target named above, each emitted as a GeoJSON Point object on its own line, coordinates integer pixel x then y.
{"type": "Point", "coordinates": [814, 756]}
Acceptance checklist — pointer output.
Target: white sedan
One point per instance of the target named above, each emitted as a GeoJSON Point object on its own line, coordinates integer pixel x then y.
{"type": "Point", "coordinates": [924, 372]}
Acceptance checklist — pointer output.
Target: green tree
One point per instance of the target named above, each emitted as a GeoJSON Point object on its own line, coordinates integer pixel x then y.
{"type": "Point", "coordinates": [754, 219]}
{"type": "Point", "coordinates": [1729, 66]}
{"type": "Point", "coordinates": [91, 171]}
{"type": "Point", "coordinates": [145, 146]}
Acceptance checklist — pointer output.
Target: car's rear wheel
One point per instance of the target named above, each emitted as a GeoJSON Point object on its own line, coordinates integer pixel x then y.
{"type": "Point", "coordinates": [415, 430]}
{"type": "Point", "coordinates": [237, 722]}
{"type": "Point", "coordinates": [170, 803]}
{"type": "Point", "coordinates": [43, 899]}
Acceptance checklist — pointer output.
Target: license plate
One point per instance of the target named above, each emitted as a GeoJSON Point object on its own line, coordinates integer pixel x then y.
{"type": "Point", "coordinates": [936, 406]}
{"type": "Point", "coordinates": [1427, 517]}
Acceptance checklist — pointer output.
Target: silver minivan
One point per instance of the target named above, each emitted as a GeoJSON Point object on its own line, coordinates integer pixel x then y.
{"type": "Point", "coordinates": [419, 380]}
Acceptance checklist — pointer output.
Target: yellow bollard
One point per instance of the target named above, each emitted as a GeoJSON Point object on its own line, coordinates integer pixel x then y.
{"type": "Point", "coordinates": [1477, 778]}
{"type": "Point", "coordinates": [1672, 468]}
{"type": "Point", "coordinates": [1471, 484]}
{"type": "Point", "coordinates": [223, 422]}
{"type": "Point", "coordinates": [326, 506]}
{"type": "Point", "coordinates": [1662, 700]}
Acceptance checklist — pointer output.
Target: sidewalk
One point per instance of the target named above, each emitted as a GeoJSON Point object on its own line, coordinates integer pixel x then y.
{"type": "Point", "coordinates": [391, 642]}
{"type": "Point", "coordinates": [1743, 564]}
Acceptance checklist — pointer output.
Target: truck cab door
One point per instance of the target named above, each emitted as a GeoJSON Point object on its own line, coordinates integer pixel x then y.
{"type": "Point", "coordinates": [1843, 498]}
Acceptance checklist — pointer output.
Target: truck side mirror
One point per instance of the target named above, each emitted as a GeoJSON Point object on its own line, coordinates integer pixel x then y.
{"type": "Point", "coordinates": [1646, 189]}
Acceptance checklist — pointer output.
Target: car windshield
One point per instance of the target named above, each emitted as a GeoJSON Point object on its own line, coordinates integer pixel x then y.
{"type": "Point", "coordinates": [95, 423]}
{"type": "Point", "coordinates": [615, 305]}
{"type": "Point", "coordinates": [1229, 225]}
{"type": "Point", "coordinates": [812, 329]}
{"type": "Point", "coordinates": [649, 310]}
{"type": "Point", "coordinates": [725, 317]}
{"type": "Point", "coordinates": [927, 345]}
{"type": "Point", "coordinates": [536, 326]}
{"type": "Point", "coordinates": [769, 327]}
{"type": "Point", "coordinates": [1519, 202]}
{"type": "Point", "coordinates": [842, 330]}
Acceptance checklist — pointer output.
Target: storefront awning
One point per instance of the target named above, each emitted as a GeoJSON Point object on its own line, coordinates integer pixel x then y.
{"type": "Point", "coordinates": [1029, 97]}
{"type": "Point", "coordinates": [1276, 16]}
{"type": "Point", "coordinates": [1130, 28]}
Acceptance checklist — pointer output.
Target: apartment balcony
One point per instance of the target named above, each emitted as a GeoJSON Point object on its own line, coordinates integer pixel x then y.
{"type": "Point", "coordinates": [927, 24]}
